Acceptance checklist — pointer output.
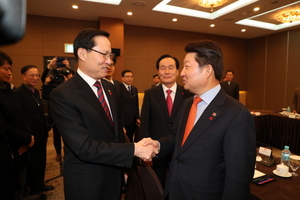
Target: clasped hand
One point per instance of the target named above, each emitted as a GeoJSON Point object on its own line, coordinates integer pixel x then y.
{"type": "Point", "coordinates": [146, 149]}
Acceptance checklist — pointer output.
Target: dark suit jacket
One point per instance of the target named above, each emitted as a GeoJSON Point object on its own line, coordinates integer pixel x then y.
{"type": "Point", "coordinates": [94, 154]}
{"type": "Point", "coordinates": [32, 108]}
{"type": "Point", "coordinates": [155, 120]}
{"type": "Point", "coordinates": [14, 124]}
{"type": "Point", "coordinates": [130, 105]}
{"type": "Point", "coordinates": [232, 89]}
{"type": "Point", "coordinates": [217, 160]}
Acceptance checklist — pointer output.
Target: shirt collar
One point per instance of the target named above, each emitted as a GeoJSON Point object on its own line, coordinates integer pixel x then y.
{"type": "Point", "coordinates": [209, 95]}
{"type": "Point", "coordinates": [90, 81]}
{"type": "Point", "coordinates": [173, 88]}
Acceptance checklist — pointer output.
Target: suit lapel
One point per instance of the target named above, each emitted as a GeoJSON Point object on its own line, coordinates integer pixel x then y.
{"type": "Point", "coordinates": [87, 93]}
{"type": "Point", "coordinates": [110, 94]}
{"type": "Point", "coordinates": [159, 93]}
{"type": "Point", "coordinates": [208, 117]}
{"type": "Point", "coordinates": [178, 99]}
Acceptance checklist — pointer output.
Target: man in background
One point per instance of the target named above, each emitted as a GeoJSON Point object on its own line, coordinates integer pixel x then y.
{"type": "Point", "coordinates": [156, 80]}
{"type": "Point", "coordinates": [214, 140]}
{"type": "Point", "coordinates": [160, 107]}
{"type": "Point", "coordinates": [17, 133]}
{"type": "Point", "coordinates": [32, 108]}
{"type": "Point", "coordinates": [129, 104]}
{"type": "Point", "coordinates": [85, 112]}
{"type": "Point", "coordinates": [230, 87]}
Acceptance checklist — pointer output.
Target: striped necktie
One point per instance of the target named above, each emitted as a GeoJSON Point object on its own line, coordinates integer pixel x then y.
{"type": "Point", "coordinates": [102, 101]}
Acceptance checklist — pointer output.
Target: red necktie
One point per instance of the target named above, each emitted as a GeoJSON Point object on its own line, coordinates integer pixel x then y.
{"type": "Point", "coordinates": [191, 119]}
{"type": "Point", "coordinates": [169, 102]}
{"type": "Point", "coordinates": [102, 101]}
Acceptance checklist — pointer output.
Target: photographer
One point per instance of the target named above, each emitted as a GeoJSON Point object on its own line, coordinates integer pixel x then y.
{"type": "Point", "coordinates": [57, 72]}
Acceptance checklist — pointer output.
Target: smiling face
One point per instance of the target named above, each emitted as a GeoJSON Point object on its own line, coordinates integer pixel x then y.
{"type": "Point", "coordinates": [167, 72]}
{"type": "Point", "coordinates": [92, 63]}
{"type": "Point", "coordinates": [31, 77]}
{"type": "Point", "coordinates": [5, 72]}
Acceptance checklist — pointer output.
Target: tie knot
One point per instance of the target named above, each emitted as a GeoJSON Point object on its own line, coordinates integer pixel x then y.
{"type": "Point", "coordinates": [97, 84]}
{"type": "Point", "coordinates": [169, 92]}
{"type": "Point", "coordinates": [197, 100]}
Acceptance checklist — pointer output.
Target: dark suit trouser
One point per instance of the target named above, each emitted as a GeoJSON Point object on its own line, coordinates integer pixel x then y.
{"type": "Point", "coordinates": [36, 166]}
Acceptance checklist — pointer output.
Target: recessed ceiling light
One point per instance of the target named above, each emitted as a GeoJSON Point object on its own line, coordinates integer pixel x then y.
{"type": "Point", "coordinates": [129, 13]}
{"type": "Point", "coordinates": [74, 6]}
{"type": "Point", "coordinates": [243, 30]}
{"type": "Point", "coordinates": [174, 19]}
{"type": "Point", "coordinates": [256, 9]}
{"type": "Point", "coordinates": [212, 25]}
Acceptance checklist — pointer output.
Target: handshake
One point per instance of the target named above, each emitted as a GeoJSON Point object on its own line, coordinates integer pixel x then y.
{"type": "Point", "coordinates": [146, 149]}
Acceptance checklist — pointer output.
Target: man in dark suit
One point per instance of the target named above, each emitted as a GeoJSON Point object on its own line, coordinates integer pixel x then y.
{"type": "Point", "coordinates": [230, 87]}
{"type": "Point", "coordinates": [32, 108]}
{"type": "Point", "coordinates": [16, 131]}
{"type": "Point", "coordinates": [214, 137]}
{"type": "Point", "coordinates": [85, 112]}
{"type": "Point", "coordinates": [156, 121]}
{"type": "Point", "coordinates": [129, 104]}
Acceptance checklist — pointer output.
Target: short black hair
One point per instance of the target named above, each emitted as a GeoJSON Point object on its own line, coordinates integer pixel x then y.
{"type": "Point", "coordinates": [5, 58]}
{"type": "Point", "coordinates": [229, 71]}
{"type": "Point", "coordinates": [85, 39]}
{"type": "Point", "coordinates": [167, 56]}
{"type": "Point", "coordinates": [207, 52]}
{"type": "Point", "coordinates": [126, 71]}
{"type": "Point", "coordinates": [155, 75]}
{"type": "Point", "coordinates": [26, 68]}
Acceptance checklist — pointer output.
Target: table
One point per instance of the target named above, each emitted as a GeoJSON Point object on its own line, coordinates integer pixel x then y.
{"type": "Point", "coordinates": [277, 131]}
{"type": "Point", "coordinates": [280, 189]}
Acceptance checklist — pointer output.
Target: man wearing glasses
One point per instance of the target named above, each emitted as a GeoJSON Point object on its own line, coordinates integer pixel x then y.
{"type": "Point", "coordinates": [85, 112]}
{"type": "Point", "coordinates": [32, 108]}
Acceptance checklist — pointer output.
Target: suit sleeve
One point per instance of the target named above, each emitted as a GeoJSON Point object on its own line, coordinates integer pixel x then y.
{"type": "Point", "coordinates": [239, 155]}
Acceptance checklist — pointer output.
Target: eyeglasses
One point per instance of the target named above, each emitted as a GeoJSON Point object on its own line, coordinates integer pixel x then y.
{"type": "Point", "coordinates": [105, 55]}
{"type": "Point", "coordinates": [128, 76]}
{"type": "Point", "coordinates": [33, 75]}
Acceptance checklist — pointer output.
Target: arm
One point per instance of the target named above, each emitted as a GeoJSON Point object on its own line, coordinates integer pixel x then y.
{"type": "Point", "coordinates": [239, 147]}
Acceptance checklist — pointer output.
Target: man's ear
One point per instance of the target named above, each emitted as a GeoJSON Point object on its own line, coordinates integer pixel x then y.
{"type": "Point", "coordinates": [208, 70]}
{"type": "Point", "coordinates": [81, 52]}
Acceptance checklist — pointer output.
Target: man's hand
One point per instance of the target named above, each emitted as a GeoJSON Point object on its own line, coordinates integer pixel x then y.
{"type": "Point", "coordinates": [144, 151]}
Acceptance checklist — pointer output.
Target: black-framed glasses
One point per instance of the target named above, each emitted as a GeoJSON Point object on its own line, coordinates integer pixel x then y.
{"type": "Point", "coordinates": [105, 55]}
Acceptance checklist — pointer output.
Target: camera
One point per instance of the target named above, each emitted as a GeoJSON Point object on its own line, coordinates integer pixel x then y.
{"type": "Point", "coordinates": [58, 75]}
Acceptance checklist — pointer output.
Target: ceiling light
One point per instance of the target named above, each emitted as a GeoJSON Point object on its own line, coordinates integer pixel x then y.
{"type": "Point", "coordinates": [129, 13]}
{"type": "Point", "coordinates": [212, 25]}
{"type": "Point", "coordinates": [243, 30]}
{"type": "Point", "coordinates": [211, 3]}
{"type": "Point", "coordinates": [74, 6]}
{"type": "Point", "coordinates": [256, 9]}
{"type": "Point", "coordinates": [289, 17]}
{"type": "Point", "coordinates": [174, 19]}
